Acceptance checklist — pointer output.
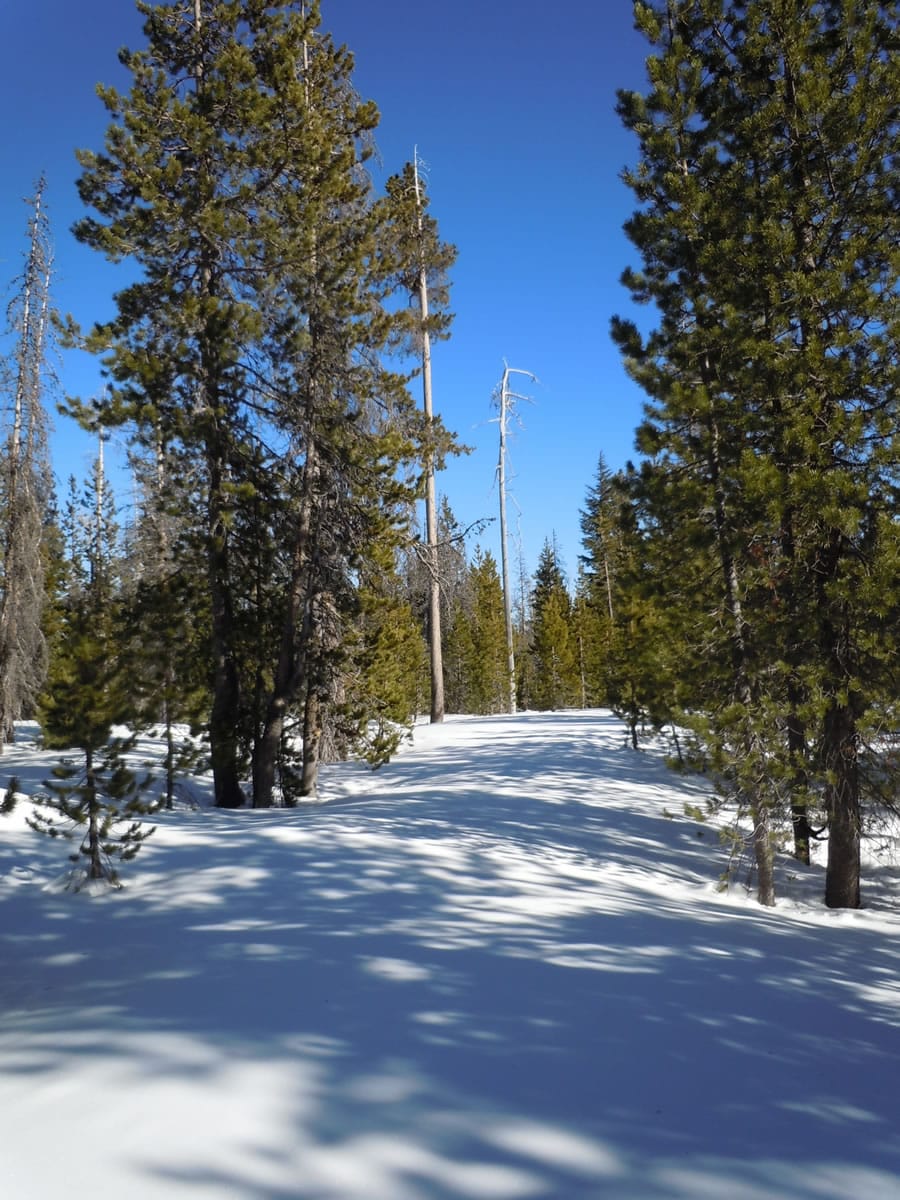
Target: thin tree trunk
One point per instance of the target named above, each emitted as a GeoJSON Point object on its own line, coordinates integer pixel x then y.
{"type": "Point", "coordinates": [796, 737]}
{"type": "Point", "coordinates": [504, 552]}
{"type": "Point", "coordinates": [225, 715]}
{"type": "Point", "coordinates": [431, 529]}
{"type": "Point", "coordinates": [90, 783]}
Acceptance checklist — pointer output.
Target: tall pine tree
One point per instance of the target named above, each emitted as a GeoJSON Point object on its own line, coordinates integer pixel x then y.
{"type": "Point", "coordinates": [25, 492]}
{"type": "Point", "coordinates": [767, 226]}
{"type": "Point", "coordinates": [253, 344]}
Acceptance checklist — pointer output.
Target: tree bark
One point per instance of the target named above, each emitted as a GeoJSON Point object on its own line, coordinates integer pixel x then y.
{"type": "Point", "coordinates": [842, 876]}
{"type": "Point", "coordinates": [90, 782]}
{"type": "Point", "coordinates": [312, 743]}
{"type": "Point", "coordinates": [225, 714]}
{"type": "Point", "coordinates": [431, 536]}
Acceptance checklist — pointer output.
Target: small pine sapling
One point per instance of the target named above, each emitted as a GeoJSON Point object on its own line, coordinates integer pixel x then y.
{"type": "Point", "coordinates": [99, 799]}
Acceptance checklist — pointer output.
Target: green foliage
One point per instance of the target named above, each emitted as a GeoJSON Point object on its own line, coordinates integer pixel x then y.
{"type": "Point", "coordinates": [388, 686]}
{"type": "Point", "coordinates": [487, 665]}
{"type": "Point", "coordinates": [101, 803]}
{"type": "Point", "coordinates": [475, 650]}
{"type": "Point", "coordinates": [10, 798]}
{"type": "Point", "coordinates": [553, 649]}
{"type": "Point", "coordinates": [409, 251]}
{"type": "Point", "coordinates": [94, 796]}
{"type": "Point", "coordinates": [767, 227]}
{"type": "Point", "coordinates": [627, 586]}
{"type": "Point", "coordinates": [252, 351]}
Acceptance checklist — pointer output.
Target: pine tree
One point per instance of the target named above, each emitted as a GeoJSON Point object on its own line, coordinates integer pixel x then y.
{"type": "Point", "coordinates": [94, 795]}
{"type": "Point", "coordinates": [162, 615]}
{"type": "Point", "coordinates": [417, 262]}
{"type": "Point", "coordinates": [626, 579]}
{"type": "Point", "coordinates": [553, 650]}
{"type": "Point", "coordinates": [768, 190]}
{"type": "Point", "coordinates": [385, 690]}
{"type": "Point", "coordinates": [485, 668]}
{"type": "Point", "coordinates": [598, 528]}
{"type": "Point", "coordinates": [234, 175]}
{"type": "Point", "coordinates": [25, 476]}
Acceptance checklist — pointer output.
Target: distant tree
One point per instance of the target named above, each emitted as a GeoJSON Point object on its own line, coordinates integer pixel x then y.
{"type": "Point", "coordinates": [483, 639]}
{"type": "Point", "coordinates": [384, 688]}
{"type": "Point", "coordinates": [553, 650]}
{"type": "Point", "coordinates": [588, 633]}
{"type": "Point", "coordinates": [455, 597]}
{"type": "Point", "coordinates": [598, 531]}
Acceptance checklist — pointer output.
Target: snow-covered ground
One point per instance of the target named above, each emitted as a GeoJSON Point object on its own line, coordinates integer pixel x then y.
{"type": "Point", "coordinates": [496, 968]}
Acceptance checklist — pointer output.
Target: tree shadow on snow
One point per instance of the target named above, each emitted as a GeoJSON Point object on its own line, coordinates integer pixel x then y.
{"type": "Point", "coordinates": [471, 985]}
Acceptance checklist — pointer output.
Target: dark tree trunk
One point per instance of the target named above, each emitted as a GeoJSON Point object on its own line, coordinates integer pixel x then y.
{"type": "Point", "coordinates": [842, 876]}
{"type": "Point", "coordinates": [799, 809]}
{"type": "Point", "coordinates": [90, 783]}
{"type": "Point", "coordinates": [289, 669]}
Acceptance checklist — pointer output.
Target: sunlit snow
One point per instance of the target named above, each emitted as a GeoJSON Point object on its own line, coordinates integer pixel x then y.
{"type": "Point", "coordinates": [498, 967]}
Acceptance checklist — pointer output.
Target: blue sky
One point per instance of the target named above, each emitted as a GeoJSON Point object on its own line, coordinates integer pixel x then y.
{"type": "Point", "coordinates": [512, 107]}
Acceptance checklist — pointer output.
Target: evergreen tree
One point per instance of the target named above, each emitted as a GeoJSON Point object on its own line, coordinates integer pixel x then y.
{"type": "Point", "coordinates": [94, 795]}
{"type": "Point", "coordinates": [553, 650]}
{"type": "Point", "coordinates": [418, 263]}
{"type": "Point", "coordinates": [626, 581]}
{"type": "Point", "coordinates": [485, 668]}
{"type": "Point", "coordinates": [162, 614]}
{"type": "Point", "coordinates": [768, 193]}
{"type": "Point", "coordinates": [25, 490]}
{"type": "Point", "coordinates": [234, 175]}
{"type": "Point", "coordinates": [598, 530]}
{"type": "Point", "coordinates": [390, 667]}
{"type": "Point", "coordinates": [458, 654]}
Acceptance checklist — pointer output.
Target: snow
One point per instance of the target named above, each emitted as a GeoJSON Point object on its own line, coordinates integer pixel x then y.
{"type": "Point", "coordinates": [495, 968]}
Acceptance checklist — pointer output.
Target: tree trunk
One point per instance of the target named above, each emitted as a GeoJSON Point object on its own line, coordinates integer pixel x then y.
{"type": "Point", "coordinates": [90, 783]}
{"type": "Point", "coordinates": [225, 715]}
{"type": "Point", "coordinates": [170, 743]}
{"type": "Point", "coordinates": [842, 875]}
{"type": "Point", "coordinates": [289, 669]}
{"type": "Point", "coordinates": [764, 855]}
{"type": "Point", "coordinates": [743, 689]}
{"type": "Point", "coordinates": [431, 537]}
{"type": "Point", "coordinates": [22, 584]}
{"type": "Point", "coordinates": [312, 742]}
{"type": "Point", "coordinates": [796, 735]}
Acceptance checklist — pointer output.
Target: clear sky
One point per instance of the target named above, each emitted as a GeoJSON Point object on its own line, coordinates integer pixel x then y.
{"type": "Point", "coordinates": [512, 108]}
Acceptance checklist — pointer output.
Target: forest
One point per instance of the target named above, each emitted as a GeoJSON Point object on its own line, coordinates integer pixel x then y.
{"type": "Point", "coordinates": [293, 587]}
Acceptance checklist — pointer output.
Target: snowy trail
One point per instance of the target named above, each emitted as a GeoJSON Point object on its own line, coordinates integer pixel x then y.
{"type": "Point", "coordinates": [495, 968]}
